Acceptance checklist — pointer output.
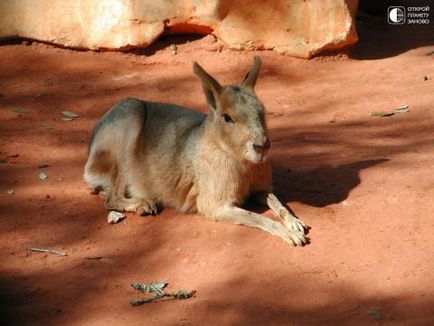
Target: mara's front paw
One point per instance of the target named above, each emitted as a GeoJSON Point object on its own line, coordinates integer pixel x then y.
{"type": "Point", "coordinates": [141, 206]}
{"type": "Point", "coordinates": [295, 238]}
{"type": "Point", "coordinates": [147, 208]}
{"type": "Point", "coordinates": [291, 222]}
{"type": "Point", "coordinates": [290, 236]}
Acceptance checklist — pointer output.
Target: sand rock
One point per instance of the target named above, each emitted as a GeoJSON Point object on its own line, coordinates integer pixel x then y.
{"type": "Point", "coordinates": [299, 28]}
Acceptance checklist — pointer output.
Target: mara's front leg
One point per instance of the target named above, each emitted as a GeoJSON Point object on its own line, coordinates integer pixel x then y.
{"type": "Point", "coordinates": [235, 215]}
{"type": "Point", "coordinates": [291, 222]}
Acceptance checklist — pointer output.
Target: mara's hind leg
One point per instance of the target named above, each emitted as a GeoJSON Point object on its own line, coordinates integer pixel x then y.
{"type": "Point", "coordinates": [138, 201]}
{"type": "Point", "coordinates": [97, 190]}
{"type": "Point", "coordinates": [103, 176]}
{"type": "Point", "coordinates": [115, 179]}
{"type": "Point", "coordinates": [98, 173]}
{"type": "Point", "coordinates": [128, 192]}
{"type": "Point", "coordinates": [120, 198]}
{"type": "Point", "coordinates": [135, 205]}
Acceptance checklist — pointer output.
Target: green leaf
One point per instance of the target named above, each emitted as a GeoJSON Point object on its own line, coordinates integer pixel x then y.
{"type": "Point", "coordinates": [42, 176]}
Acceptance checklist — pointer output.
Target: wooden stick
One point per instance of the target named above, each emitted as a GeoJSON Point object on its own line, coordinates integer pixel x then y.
{"type": "Point", "coordinates": [49, 251]}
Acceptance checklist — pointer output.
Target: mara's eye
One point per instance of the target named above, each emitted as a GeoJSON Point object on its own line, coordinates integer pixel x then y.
{"type": "Point", "coordinates": [227, 118]}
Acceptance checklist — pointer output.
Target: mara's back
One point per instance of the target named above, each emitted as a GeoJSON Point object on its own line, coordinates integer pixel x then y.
{"type": "Point", "coordinates": [155, 144]}
{"type": "Point", "coordinates": [161, 122]}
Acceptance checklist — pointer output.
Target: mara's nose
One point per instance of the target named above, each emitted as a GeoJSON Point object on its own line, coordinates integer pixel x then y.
{"type": "Point", "coordinates": [262, 147]}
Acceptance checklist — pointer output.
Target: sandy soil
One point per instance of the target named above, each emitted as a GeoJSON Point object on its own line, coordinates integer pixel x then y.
{"type": "Point", "coordinates": [364, 184]}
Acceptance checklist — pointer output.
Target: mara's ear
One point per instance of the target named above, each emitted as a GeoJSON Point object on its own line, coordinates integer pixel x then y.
{"type": "Point", "coordinates": [211, 87]}
{"type": "Point", "coordinates": [251, 76]}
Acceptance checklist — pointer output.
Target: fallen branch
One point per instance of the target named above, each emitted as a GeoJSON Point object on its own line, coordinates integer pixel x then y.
{"type": "Point", "coordinates": [180, 295]}
{"type": "Point", "coordinates": [48, 251]}
{"type": "Point", "coordinates": [94, 257]}
{"type": "Point", "coordinates": [158, 289]}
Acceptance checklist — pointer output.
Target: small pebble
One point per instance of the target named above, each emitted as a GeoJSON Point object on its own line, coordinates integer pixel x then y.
{"type": "Point", "coordinates": [115, 217]}
{"type": "Point", "coordinates": [42, 176]}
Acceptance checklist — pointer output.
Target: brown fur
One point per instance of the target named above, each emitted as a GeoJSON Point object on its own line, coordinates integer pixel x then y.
{"type": "Point", "coordinates": [162, 154]}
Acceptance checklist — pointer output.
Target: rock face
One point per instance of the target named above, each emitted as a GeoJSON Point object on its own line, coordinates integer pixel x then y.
{"type": "Point", "coordinates": [299, 28]}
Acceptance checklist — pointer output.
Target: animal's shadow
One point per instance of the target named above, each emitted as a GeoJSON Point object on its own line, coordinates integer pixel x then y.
{"type": "Point", "coordinates": [322, 186]}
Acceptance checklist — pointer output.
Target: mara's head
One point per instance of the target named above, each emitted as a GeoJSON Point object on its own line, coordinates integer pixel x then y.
{"type": "Point", "coordinates": [236, 116]}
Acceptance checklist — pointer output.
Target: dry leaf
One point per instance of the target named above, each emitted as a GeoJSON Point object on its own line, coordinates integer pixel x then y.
{"type": "Point", "coordinates": [374, 314]}
{"type": "Point", "coordinates": [70, 114]}
{"type": "Point", "coordinates": [42, 176]}
{"type": "Point", "coordinates": [402, 109]}
{"type": "Point", "coordinates": [20, 110]}
{"type": "Point", "coordinates": [380, 114]}
{"type": "Point", "coordinates": [47, 125]}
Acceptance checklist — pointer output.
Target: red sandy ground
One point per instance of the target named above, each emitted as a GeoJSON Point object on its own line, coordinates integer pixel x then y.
{"type": "Point", "coordinates": [364, 184]}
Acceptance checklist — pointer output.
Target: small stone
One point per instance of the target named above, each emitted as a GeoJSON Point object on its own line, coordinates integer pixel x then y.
{"type": "Point", "coordinates": [42, 176]}
{"type": "Point", "coordinates": [69, 114]}
{"type": "Point", "coordinates": [115, 217]}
